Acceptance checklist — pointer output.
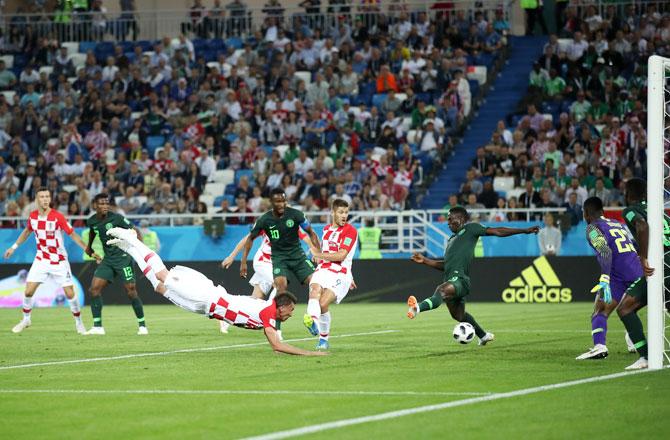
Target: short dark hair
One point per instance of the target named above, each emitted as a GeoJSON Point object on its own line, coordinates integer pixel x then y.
{"type": "Point", "coordinates": [285, 298]}
{"type": "Point", "coordinates": [636, 188]}
{"type": "Point", "coordinates": [459, 210]}
{"type": "Point", "coordinates": [593, 205]}
{"type": "Point", "coordinates": [42, 188]}
{"type": "Point", "coordinates": [277, 192]}
{"type": "Point", "coordinates": [340, 203]}
{"type": "Point", "coordinates": [101, 196]}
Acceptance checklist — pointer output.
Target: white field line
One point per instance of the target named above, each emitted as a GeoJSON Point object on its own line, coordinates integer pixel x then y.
{"type": "Point", "coordinates": [184, 350]}
{"type": "Point", "coordinates": [250, 392]}
{"type": "Point", "coordinates": [311, 429]}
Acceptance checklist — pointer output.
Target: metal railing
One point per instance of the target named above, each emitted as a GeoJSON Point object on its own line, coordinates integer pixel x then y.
{"type": "Point", "coordinates": [208, 23]}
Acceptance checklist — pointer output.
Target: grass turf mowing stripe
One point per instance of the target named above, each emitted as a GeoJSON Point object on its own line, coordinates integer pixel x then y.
{"type": "Point", "coordinates": [427, 408]}
{"type": "Point", "coordinates": [184, 350]}
{"type": "Point", "coordinates": [251, 392]}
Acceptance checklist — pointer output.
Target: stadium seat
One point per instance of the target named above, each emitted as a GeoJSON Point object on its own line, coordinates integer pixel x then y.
{"type": "Point", "coordinates": [46, 69]}
{"type": "Point", "coordinates": [406, 124]}
{"type": "Point", "coordinates": [563, 44]}
{"type": "Point", "coordinates": [401, 96]}
{"type": "Point", "coordinates": [240, 173]}
{"type": "Point", "coordinates": [305, 76]}
{"type": "Point", "coordinates": [378, 100]}
{"type": "Point", "coordinates": [69, 188]}
{"type": "Point", "coordinates": [282, 150]}
{"type": "Point", "coordinates": [235, 42]}
{"type": "Point", "coordinates": [8, 59]}
{"type": "Point", "coordinates": [78, 60]}
{"type": "Point", "coordinates": [217, 201]}
{"type": "Point", "coordinates": [223, 176]}
{"type": "Point", "coordinates": [9, 96]}
{"type": "Point", "coordinates": [153, 142]}
{"type": "Point", "coordinates": [214, 189]}
{"type": "Point", "coordinates": [412, 137]}
{"type": "Point", "coordinates": [503, 183]}
{"type": "Point", "coordinates": [207, 199]}
{"type": "Point", "coordinates": [515, 192]}
{"type": "Point", "coordinates": [477, 73]}
{"type": "Point", "coordinates": [85, 46]}
{"type": "Point", "coordinates": [230, 189]}
{"type": "Point", "coordinates": [71, 46]}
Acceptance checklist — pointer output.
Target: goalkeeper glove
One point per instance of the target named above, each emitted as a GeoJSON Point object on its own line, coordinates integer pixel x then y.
{"type": "Point", "coordinates": [604, 285]}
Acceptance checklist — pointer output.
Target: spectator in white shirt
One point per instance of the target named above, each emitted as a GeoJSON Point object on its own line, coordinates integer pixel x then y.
{"type": "Point", "coordinates": [577, 48]}
{"type": "Point", "coordinates": [206, 164]}
{"type": "Point", "coordinates": [109, 71]}
{"type": "Point", "coordinates": [549, 238]}
{"type": "Point", "coordinates": [303, 163]}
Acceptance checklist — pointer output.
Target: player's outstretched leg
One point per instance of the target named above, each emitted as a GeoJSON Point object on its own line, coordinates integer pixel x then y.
{"type": "Point", "coordinates": [431, 303]}
{"type": "Point", "coordinates": [148, 261]}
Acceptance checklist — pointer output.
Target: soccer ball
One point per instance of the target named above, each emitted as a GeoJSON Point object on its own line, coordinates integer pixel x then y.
{"type": "Point", "coordinates": [464, 333]}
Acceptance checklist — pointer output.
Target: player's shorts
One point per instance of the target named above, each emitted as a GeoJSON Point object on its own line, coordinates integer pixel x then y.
{"type": "Point", "coordinates": [301, 266]}
{"type": "Point", "coordinates": [461, 284]}
{"type": "Point", "coordinates": [337, 282]}
{"type": "Point", "coordinates": [262, 276]}
{"type": "Point", "coordinates": [122, 267]}
{"type": "Point", "coordinates": [637, 289]}
{"type": "Point", "coordinates": [42, 270]}
{"type": "Point", "coordinates": [191, 290]}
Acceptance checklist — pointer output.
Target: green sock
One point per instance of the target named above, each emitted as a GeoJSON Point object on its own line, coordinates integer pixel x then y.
{"type": "Point", "coordinates": [635, 330]}
{"type": "Point", "coordinates": [96, 310]}
{"type": "Point", "coordinates": [431, 303]}
{"type": "Point", "coordinates": [139, 310]}
{"type": "Point", "coordinates": [278, 325]}
{"type": "Point", "coordinates": [478, 330]}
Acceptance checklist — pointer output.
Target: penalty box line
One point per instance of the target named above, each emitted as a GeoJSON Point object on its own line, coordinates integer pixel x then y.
{"type": "Point", "coordinates": [311, 429]}
{"type": "Point", "coordinates": [183, 350]}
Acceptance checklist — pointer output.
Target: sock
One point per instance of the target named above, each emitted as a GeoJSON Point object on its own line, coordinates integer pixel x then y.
{"type": "Point", "coordinates": [146, 269]}
{"type": "Point", "coordinates": [314, 309]}
{"type": "Point", "coordinates": [273, 293]}
{"type": "Point", "coordinates": [278, 326]}
{"type": "Point", "coordinates": [74, 308]}
{"type": "Point", "coordinates": [480, 332]}
{"type": "Point", "coordinates": [27, 307]}
{"type": "Point", "coordinates": [599, 329]}
{"type": "Point", "coordinates": [636, 332]}
{"type": "Point", "coordinates": [139, 310]}
{"type": "Point", "coordinates": [431, 303]}
{"type": "Point", "coordinates": [324, 325]}
{"type": "Point", "coordinates": [96, 310]}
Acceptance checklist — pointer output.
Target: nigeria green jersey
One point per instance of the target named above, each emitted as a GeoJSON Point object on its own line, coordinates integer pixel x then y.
{"type": "Point", "coordinates": [101, 226]}
{"type": "Point", "coordinates": [282, 231]}
{"type": "Point", "coordinates": [461, 249]}
{"type": "Point", "coordinates": [639, 211]}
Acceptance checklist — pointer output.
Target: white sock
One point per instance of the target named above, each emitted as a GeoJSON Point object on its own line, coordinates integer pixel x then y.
{"type": "Point", "coordinates": [224, 325]}
{"type": "Point", "coordinates": [27, 307]}
{"type": "Point", "coordinates": [324, 325]}
{"type": "Point", "coordinates": [74, 308]}
{"type": "Point", "coordinates": [149, 263]}
{"type": "Point", "coordinates": [313, 309]}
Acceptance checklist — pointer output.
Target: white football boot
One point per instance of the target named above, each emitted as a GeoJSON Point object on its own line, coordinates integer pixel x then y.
{"type": "Point", "coordinates": [96, 331]}
{"type": "Point", "coordinates": [597, 352]}
{"type": "Point", "coordinates": [488, 337]}
{"type": "Point", "coordinates": [22, 325]}
{"type": "Point", "coordinates": [639, 364]}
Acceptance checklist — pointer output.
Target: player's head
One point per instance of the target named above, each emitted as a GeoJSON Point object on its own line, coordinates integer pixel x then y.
{"type": "Point", "coordinates": [457, 217]}
{"type": "Point", "coordinates": [43, 198]}
{"type": "Point", "coordinates": [340, 212]}
{"type": "Point", "coordinates": [593, 209]}
{"type": "Point", "coordinates": [101, 203]}
{"type": "Point", "coordinates": [636, 190]}
{"type": "Point", "coordinates": [285, 305]}
{"type": "Point", "coordinates": [278, 200]}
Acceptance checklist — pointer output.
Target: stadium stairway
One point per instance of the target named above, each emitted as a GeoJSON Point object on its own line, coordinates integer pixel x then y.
{"type": "Point", "coordinates": [506, 90]}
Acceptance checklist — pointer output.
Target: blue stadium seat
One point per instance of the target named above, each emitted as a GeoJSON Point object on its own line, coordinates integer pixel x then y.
{"type": "Point", "coordinates": [85, 46]}
{"type": "Point", "coordinates": [474, 87]}
{"type": "Point", "coordinates": [378, 100]}
{"type": "Point", "coordinates": [230, 189]}
{"type": "Point", "coordinates": [216, 44]}
{"type": "Point", "coordinates": [235, 42]}
{"type": "Point", "coordinates": [240, 173]}
{"type": "Point", "coordinates": [229, 197]}
{"type": "Point", "coordinates": [153, 142]}
{"type": "Point", "coordinates": [145, 45]}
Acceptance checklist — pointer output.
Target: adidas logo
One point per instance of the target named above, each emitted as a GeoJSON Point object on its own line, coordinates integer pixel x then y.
{"type": "Point", "coordinates": [538, 283]}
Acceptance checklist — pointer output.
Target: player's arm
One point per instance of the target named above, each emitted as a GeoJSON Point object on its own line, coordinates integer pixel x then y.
{"type": "Point", "coordinates": [139, 233]}
{"type": "Point", "coordinates": [77, 239]}
{"type": "Point", "coordinates": [306, 226]}
{"type": "Point", "coordinates": [19, 241]}
{"type": "Point", "coordinates": [228, 261]}
{"type": "Point", "coordinates": [346, 244]}
{"type": "Point", "coordinates": [420, 259]}
{"type": "Point", "coordinates": [507, 232]}
{"type": "Point", "coordinates": [604, 255]}
{"type": "Point", "coordinates": [248, 242]}
{"type": "Point", "coordinates": [89, 247]}
{"type": "Point", "coordinates": [642, 238]}
{"type": "Point", "coordinates": [280, 347]}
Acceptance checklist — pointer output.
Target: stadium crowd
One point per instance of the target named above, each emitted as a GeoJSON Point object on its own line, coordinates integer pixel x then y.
{"type": "Point", "coordinates": [581, 128]}
{"type": "Point", "coordinates": [359, 106]}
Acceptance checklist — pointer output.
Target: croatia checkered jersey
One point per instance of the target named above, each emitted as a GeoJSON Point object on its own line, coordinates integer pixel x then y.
{"type": "Point", "coordinates": [264, 253]}
{"type": "Point", "coordinates": [245, 311]}
{"type": "Point", "coordinates": [48, 235]}
{"type": "Point", "coordinates": [334, 239]}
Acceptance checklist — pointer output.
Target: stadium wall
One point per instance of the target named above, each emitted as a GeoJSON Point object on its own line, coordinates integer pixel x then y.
{"type": "Point", "coordinates": [189, 243]}
{"type": "Point", "coordinates": [510, 280]}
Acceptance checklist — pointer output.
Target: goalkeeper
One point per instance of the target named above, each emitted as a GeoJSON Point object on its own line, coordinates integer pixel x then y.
{"type": "Point", "coordinates": [621, 282]}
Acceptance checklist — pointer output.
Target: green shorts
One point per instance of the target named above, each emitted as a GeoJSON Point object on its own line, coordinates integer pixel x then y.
{"type": "Point", "coordinates": [109, 269]}
{"type": "Point", "coordinates": [638, 290]}
{"type": "Point", "coordinates": [461, 284]}
{"type": "Point", "coordinates": [300, 266]}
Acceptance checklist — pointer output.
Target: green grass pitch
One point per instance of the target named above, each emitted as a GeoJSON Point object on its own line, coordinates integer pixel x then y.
{"type": "Point", "coordinates": [240, 388]}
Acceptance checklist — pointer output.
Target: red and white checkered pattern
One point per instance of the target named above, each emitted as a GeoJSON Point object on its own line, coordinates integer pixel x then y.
{"type": "Point", "coordinates": [244, 311]}
{"type": "Point", "coordinates": [48, 235]}
{"type": "Point", "coordinates": [336, 238]}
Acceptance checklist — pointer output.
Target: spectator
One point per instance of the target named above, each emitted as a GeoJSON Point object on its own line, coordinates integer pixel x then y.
{"type": "Point", "coordinates": [549, 238]}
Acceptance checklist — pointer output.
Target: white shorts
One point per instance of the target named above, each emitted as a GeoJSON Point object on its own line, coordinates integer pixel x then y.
{"type": "Point", "coordinates": [262, 276]}
{"type": "Point", "coordinates": [42, 270]}
{"type": "Point", "coordinates": [337, 282]}
{"type": "Point", "coordinates": [191, 290]}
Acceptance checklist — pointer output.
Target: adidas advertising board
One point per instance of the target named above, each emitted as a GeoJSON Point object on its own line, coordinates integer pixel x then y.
{"type": "Point", "coordinates": [513, 280]}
